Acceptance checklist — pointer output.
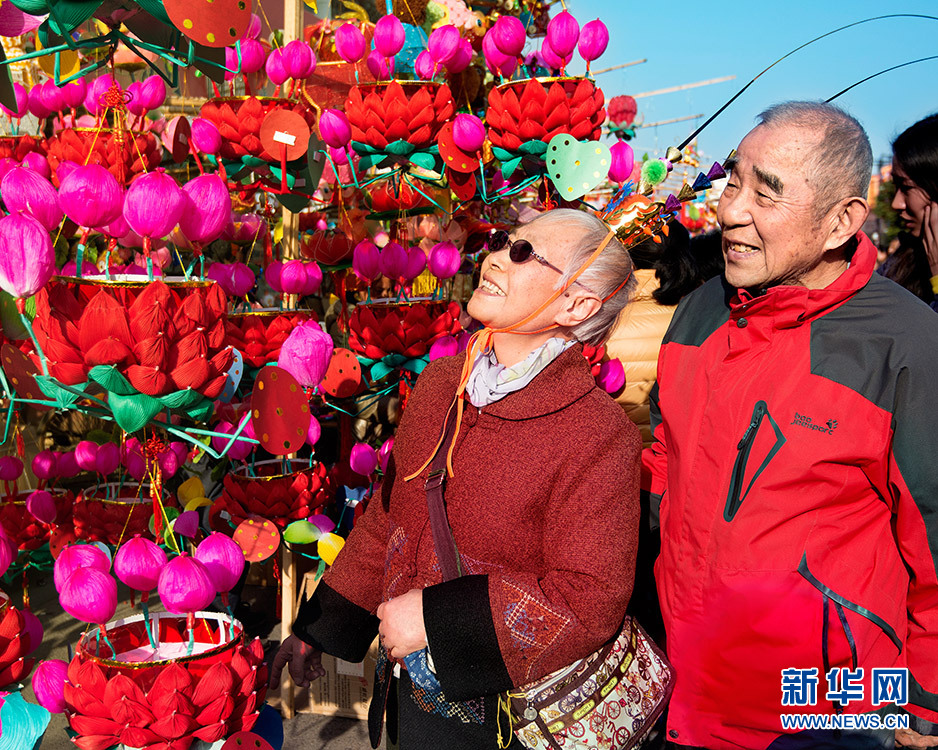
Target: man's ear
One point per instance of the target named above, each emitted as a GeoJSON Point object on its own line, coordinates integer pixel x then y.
{"type": "Point", "coordinates": [846, 218]}
{"type": "Point", "coordinates": [576, 308]}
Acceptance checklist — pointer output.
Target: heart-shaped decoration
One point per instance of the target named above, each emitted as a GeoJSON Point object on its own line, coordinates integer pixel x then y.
{"type": "Point", "coordinates": [576, 167]}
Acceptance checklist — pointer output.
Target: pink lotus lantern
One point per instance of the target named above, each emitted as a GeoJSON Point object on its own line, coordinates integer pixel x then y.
{"type": "Point", "coordinates": [38, 163]}
{"type": "Point", "coordinates": [27, 260]}
{"type": "Point", "coordinates": [444, 260]}
{"type": "Point", "coordinates": [25, 190]}
{"type": "Point", "coordinates": [313, 432]}
{"type": "Point", "coordinates": [240, 449]}
{"type": "Point", "coordinates": [389, 36]}
{"type": "Point", "coordinates": [92, 198]}
{"type": "Point", "coordinates": [594, 38]}
{"type": "Point", "coordinates": [152, 207]}
{"type": "Point", "coordinates": [562, 34]}
{"type": "Point", "coordinates": [75, 557]}
{"type": "Point", "coordinates": [468, 132]}
{"type": "Point", "coordinates": [446, 346]}
{"type": "Point", "coordinates": [36, 103]}
{"type": "Point", "coordinates": [363, 459]}
{"type": "Point", "coordinates": [137, 564]}
{"type": "Point", "coordinates": [44, 465]}
{"type": "Point", "coordinates": [107, 459]}
{"type": "Point", "coordinates": [443, 44]}
{"type": "Point", "coordinates": [252, 56]}
{"type": "Point", "coordinates": [89, 595]}
{"type": "Point", "coordinates": [549, 58]}
{"type": "Point", "coordinates": [393, 261]}
{"type": "Point", "coordinates": [366, 261]}
{"type": "Point", "coordinates": [74, 93]}
{"type": "Point", "coordinates": [272, 276]}
{"type": "Point", "coordinates": [22, 102]}
{"type": "Point", "coordinates": [207, 210]}
{"type": "Point", "coordinates": [136, 106]}
{"type": "Point", "coordinates": [498, 62]}
{"type": "Point", "coordinates": [306, 354]}
{"type": "Point", "coordinates": [42, 506]}
{"type": "Point", "coordinates": [153, 92]}
{"type": "Point", "coordinates": [48, 683]}
{"type": "Point", "coordinates": [205, 136]}
{"type": "Point", "coordinates": [224, 561]}
{"type": "Point", "coordinates": [462, 58]}
{"type": "Point", "coordinates": [254, 28]}
{"type": "Point", "coordinates": [334, 128]}
{"type": "Point", "coordinates": [185, 586]}
{"type": "Point", "coordinates": [299, 62]}
{"type": "Point", "coordinates": [508, 35]}
{"type": "Point", "coordinates": [52, 96]}
{"type": "Point", "coordinates": [380, 67]}
{"type": "Point", "coordinates": [416, 262]}
{"type": "Point", "coordinates": [8, 551]}
{"type": "Point", "coordinates": [274, 67]}
{"type": "Point", "coordinates": [11, 468]}
{"type": "Point", "coordinates": [384, 452]}
{"type": "Point", "coordinates": [349, 43]}
{"type": "Point", "coordinates": [96, 90]}
{"type": "Point", "coordinates": [66, 465]}
{"type": "Point", "coordinates": [424, 66]}
{"type": "Point", "coordinates": [621, 161]}
{"type": "Point", "coordinates": [86, 455]}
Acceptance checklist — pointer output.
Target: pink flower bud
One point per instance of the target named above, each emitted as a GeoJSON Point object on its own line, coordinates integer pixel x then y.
{"type": "Point", "coordinates": [594, 38]}
{"type": "Point", "coordinates": [334, 128]}
{"type": "Point", "coordinates": [508, 34]}
{"type": "Point", "coordinates": [468, 132]}
{"type": "Point", "coordinates": [562, 34]}
{"type": "Point", "coordinates": [389, 35]}
{"type": "Point", "coordinates": [350, 43]}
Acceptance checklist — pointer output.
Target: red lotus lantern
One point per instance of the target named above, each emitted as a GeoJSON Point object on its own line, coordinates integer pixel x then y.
{"type": "Point", "coordinates": [123, 153]}
{"type": "Point", "coordinates": [409, 329]}
{"type": "Point", "coordinates": [112, 513]}
{"type": "Point", "coordinates": [280, 498]}
{"type": "Point", "coordinates": [16, 643]}
{"type": "Point", "coordinates": [259, 334]}
{"type": "Point", "coordinates": [239, 119]}
{"type": "Point", "coordinates": [148, 697]}
{"type": "Point", "coordinates": [520, 112]}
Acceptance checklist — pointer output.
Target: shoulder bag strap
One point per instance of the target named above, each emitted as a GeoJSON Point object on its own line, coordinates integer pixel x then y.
{"type": "Point", "coordinates": [443, 541]}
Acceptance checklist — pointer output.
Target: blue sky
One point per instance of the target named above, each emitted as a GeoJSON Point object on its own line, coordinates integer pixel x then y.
{"type": "Point", "coordinates": [693, 41]}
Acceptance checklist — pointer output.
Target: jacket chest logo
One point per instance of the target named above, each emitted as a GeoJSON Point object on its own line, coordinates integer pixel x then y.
{"type": "Point", "coordinates": [803, 420]}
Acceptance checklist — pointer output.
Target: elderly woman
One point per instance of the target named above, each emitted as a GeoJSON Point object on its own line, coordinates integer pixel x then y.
{"type": "Point", "coordinates": [542, 501]}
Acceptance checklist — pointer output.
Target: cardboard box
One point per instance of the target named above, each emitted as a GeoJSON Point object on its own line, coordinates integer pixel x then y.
{"type": "Point", "coordinates": [346, 688]}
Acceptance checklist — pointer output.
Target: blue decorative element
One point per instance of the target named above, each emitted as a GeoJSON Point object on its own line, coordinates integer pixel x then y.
{"type": "Point", "coordinates": [23, 723]}
{"type": "Point", "coordinates": [269, 726]}
{"type": "Point", "coordinates": [701, 183]}
{"type": "Point", "coordinates": [415, 42]}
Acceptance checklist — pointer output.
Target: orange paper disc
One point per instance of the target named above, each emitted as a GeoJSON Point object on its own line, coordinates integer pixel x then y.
{"type": "Point", "coordinates": [284, 129]}
{"type": "Point", "coordinates": [258, 538]}
{"type": "Point", "coordinates": [343, 376]}
{"type": "Point", "coordinates": [214, 23]}
{"type": "Point", "coordinates": [279, 411]}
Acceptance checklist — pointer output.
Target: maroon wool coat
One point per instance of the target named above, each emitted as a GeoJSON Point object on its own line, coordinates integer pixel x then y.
{"type": "Point", "coordinates": [544, 511]}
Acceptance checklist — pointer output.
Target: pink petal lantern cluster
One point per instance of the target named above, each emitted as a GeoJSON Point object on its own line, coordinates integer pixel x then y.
{"type": "Point", "coordinates": [445, 49]}
{"type": "Point", "coordinates": [394, 261]}
{"type": "Point", "coordinates": [27, 259]}
{"type": "Point", "coordinates": [86, 589]}
{"type": "Point", "coordinates": [504, 42]}
{"type": "Point", "coordinates": [236, 279]}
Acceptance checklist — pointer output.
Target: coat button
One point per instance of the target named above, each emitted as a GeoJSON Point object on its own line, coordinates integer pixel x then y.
{"type": "Point", "coordinates": [673, 734]}
{"type": "Point", "coordinates": [742, 323]}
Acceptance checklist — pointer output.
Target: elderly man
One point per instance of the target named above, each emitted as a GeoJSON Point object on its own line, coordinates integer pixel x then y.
{"type": "Point", "coordinates": [795, 462]}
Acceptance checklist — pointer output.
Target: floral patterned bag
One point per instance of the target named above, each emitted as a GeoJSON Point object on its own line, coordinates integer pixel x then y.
{"type": "Point", "coordinates": [608, 701]}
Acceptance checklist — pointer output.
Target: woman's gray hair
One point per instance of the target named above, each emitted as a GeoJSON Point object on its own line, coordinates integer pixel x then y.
{"type": "Point", "coordinates": [842, 161]}
{"type": "Point", "coordinates": [603, 275]}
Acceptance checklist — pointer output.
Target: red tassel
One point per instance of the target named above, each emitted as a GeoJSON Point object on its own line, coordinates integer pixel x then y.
{"type": "Point", "coordinates": [279, 580]}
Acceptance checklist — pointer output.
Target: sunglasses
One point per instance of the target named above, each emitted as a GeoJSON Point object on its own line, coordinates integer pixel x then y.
{"type": "Point", "coordinates": [521, 251]}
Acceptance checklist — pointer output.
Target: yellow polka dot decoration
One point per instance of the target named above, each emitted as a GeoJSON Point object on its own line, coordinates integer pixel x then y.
{"type": "Point", "coordinates": [576, 167]}
{"type": "Point", "coordinates": [214, 23]}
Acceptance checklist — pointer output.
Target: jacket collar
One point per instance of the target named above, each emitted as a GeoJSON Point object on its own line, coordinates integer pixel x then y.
{"type": "Point", "coordinates": [565, 380]}
{"type": "Point", "coordinates": [791, 306]}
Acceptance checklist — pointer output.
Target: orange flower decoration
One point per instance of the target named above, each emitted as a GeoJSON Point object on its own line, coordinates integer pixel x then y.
{"type": "Point", "coordinates": [388, 112]}
{"type": "Point", "coordinates": [537, 111]}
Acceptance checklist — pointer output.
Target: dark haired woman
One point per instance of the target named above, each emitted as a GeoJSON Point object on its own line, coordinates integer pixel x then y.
{"type": "Point", "coordinates": [915, 174]}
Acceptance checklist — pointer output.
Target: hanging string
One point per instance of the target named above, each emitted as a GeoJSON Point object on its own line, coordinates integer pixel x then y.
{"type": "Point", "coordinates": [789, 54]}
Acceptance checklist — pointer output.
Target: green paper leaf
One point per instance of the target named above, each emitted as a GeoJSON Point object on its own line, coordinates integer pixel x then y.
{"type": "Point", "coordinates": [132, 413]}
{"type": "Point", "coordinates": [181, 399]}
{"type": "Point", "coordinates": [201, 411]}
{"type": "Point", "coordinates": [111, 380]}
{"type": "Point", "coordinates": [55, 391]}
{"type": "Point", "coordinates": [576, 167]}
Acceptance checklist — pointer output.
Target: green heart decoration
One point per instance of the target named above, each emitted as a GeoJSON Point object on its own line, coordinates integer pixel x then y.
{"type": "Point", "coordinates": [576, 167]}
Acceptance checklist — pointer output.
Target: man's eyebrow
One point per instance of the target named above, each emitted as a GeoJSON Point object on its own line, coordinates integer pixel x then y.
{"type": "Point", "coordinates": [773, 182]}
{"type": "Point", "coordinates": [730, 164]}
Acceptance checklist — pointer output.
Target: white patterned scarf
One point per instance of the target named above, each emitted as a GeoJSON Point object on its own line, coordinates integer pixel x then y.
{"type": "Point", "coordinates": [490, 381]}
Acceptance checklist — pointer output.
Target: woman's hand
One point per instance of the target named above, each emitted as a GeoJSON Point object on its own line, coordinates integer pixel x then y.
{"type": "Point", "coordinates": [401, 629]}
{"type": "Point", "coordinates": [930, 236]}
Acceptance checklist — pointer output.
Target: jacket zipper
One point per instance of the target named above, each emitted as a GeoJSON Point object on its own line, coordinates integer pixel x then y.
{"type": "Point", "coordinates": [743, 448]}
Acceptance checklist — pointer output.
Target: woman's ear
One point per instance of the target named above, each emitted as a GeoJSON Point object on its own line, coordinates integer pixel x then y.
{"type": "Point", "coordinates": [576, 308]}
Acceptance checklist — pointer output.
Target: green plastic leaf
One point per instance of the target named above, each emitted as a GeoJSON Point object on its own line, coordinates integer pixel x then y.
{"type": "Point", "coordinates": [155, 8]}
{"type": "Point", "coordinates": [132, 413]}
{"type": "Point", "coordinates": [111, 380]}
{"type": "Point", "coordinates": [33, 7]}
{"type": "Point", "coordinates": [66, 15]}
{"type": "Point", "coordinates": [55, 391]}
{"type": "Point", "coordinates": [301, 532]}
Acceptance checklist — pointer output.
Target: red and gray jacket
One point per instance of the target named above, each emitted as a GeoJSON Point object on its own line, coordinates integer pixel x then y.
{"type": "Point", "coordinates": [796, 464]}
